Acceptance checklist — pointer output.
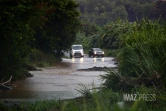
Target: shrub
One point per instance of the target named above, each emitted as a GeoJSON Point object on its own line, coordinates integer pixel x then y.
{"type": "Point", "coordinates": [143, 51]}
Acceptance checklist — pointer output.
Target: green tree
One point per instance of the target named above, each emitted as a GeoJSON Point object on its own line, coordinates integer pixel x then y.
{"type": "Point", "coordinates": [60, 30]}
{"type": "Point", "coordinates": [16, 33]}
{"type": "Point", "coordinates": [54, 23]}
{"type": "Point", "coordinates": [109, 36]}
{"type": "Point", "coordinates": [119, 12]}
{"type": "Point", "coordinates": [130, 9]}
{"type": "Point", "coordinates": [89, 28]}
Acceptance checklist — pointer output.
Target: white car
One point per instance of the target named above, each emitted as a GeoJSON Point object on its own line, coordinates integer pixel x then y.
{"type": "Point", "coordinates": [76, 51]}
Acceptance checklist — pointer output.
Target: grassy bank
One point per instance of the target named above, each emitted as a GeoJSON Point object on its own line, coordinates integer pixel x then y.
{"type": "Point", "coordinates": [38, 58]}
{"type": "Point", "coordinates": [98, 101]}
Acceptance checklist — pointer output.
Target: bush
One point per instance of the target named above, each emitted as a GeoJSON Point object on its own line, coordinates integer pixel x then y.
{"type": "Point", "coordinates": [41, 59]}
{"type": "Point", "coordinates": [110, 52]}
{"type": "Point", "coordinates": [143, 51]}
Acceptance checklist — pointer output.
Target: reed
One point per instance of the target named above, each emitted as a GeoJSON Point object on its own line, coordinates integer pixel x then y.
{"type": "Point", "coordinates": [143, 50]}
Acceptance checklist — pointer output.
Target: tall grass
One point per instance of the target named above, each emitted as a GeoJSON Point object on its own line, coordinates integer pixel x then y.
{"type": "Point", "coordinates": [142, 54]}
{"type": "Point", "coordinates": [99, 102]}
{"type": "Point", "coordinates": [143, 50]}
{"type": "Point", "coordinates": [141, 63]}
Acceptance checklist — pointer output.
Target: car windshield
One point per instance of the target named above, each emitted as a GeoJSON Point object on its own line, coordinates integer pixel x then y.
{"type": "Point", "coordinates": [97, 49]}
{"type": "Point", "coordinates": [76, 47]}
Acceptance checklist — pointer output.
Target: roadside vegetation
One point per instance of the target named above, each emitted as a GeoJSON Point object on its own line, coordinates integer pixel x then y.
{"type": "Point", "coordinates": [138, 46]}
{"type": "Point", "coordinates": [43, 25]}
{"type": "Point", "coordinates": [141, 70]}
{"type": "Point", "coordinates": [98, 16]}
{"type": "Point", "coordinates": [38, 58]}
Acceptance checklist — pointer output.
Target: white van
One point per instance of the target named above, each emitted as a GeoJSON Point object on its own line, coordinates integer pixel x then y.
{"type": "Point", "coordinates": [76, 51]}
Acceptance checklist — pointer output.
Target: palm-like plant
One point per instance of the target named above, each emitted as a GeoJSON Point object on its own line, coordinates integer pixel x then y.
{"type": "Point", "coordinates": [143, 51]}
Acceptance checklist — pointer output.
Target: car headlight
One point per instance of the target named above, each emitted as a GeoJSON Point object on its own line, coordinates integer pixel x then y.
{"type": "Point", "coordinates": [103, 52]}
{"type": "Point", "coordinates": [95, 52]}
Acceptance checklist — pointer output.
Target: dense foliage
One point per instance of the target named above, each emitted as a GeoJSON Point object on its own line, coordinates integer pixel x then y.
{"type": "Point", "coordinates": [144, 50]}
{"type": "Point", "coordinates": [60, 30]}
{"type": "Point", "coordinates": [104, 32]}
{"type": "Point", "coordinates": [25, 25]}
{"type": "Point", "coordinates": [16, 35]}
{"type": "Point", "coordinates": [141, 58]}
{"type": "Point", "coordinates": [102, 12]}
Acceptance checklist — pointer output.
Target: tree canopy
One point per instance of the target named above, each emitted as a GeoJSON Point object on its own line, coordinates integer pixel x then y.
{"type": "Point", "coordinates": [61, 29]}
{"type": "Point", "coordinates": [103, 12]}
{"type": "Point", "coordinates": [25, 24]}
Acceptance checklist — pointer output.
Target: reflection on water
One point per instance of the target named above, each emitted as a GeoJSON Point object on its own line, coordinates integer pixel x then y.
{"type": "Point", "coordinates": [98, 59]}
{"type": "Point", "coordinates": [58, 81]}
{"type": "Point", "coordinates": [80, 60]}
{"type": "Point", "coordinates": [73, 59]}
{"type": "Point", "coordinates": [20, 92]}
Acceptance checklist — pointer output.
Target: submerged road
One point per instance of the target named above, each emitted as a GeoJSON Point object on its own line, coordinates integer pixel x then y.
{"type": "Point", "coordinates": [59, 81]}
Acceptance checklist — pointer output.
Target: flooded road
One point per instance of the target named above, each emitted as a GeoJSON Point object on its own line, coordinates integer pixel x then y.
{"type": "Point", "coordinates": [59, 81]}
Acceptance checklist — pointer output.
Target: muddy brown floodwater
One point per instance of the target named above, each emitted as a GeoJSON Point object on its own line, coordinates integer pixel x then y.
{"type": "Point", "coordinates": [59, 81]}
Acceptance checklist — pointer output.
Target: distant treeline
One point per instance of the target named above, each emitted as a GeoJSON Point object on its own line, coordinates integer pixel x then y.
{"type": "Point", "coordinates": [102, 12]}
